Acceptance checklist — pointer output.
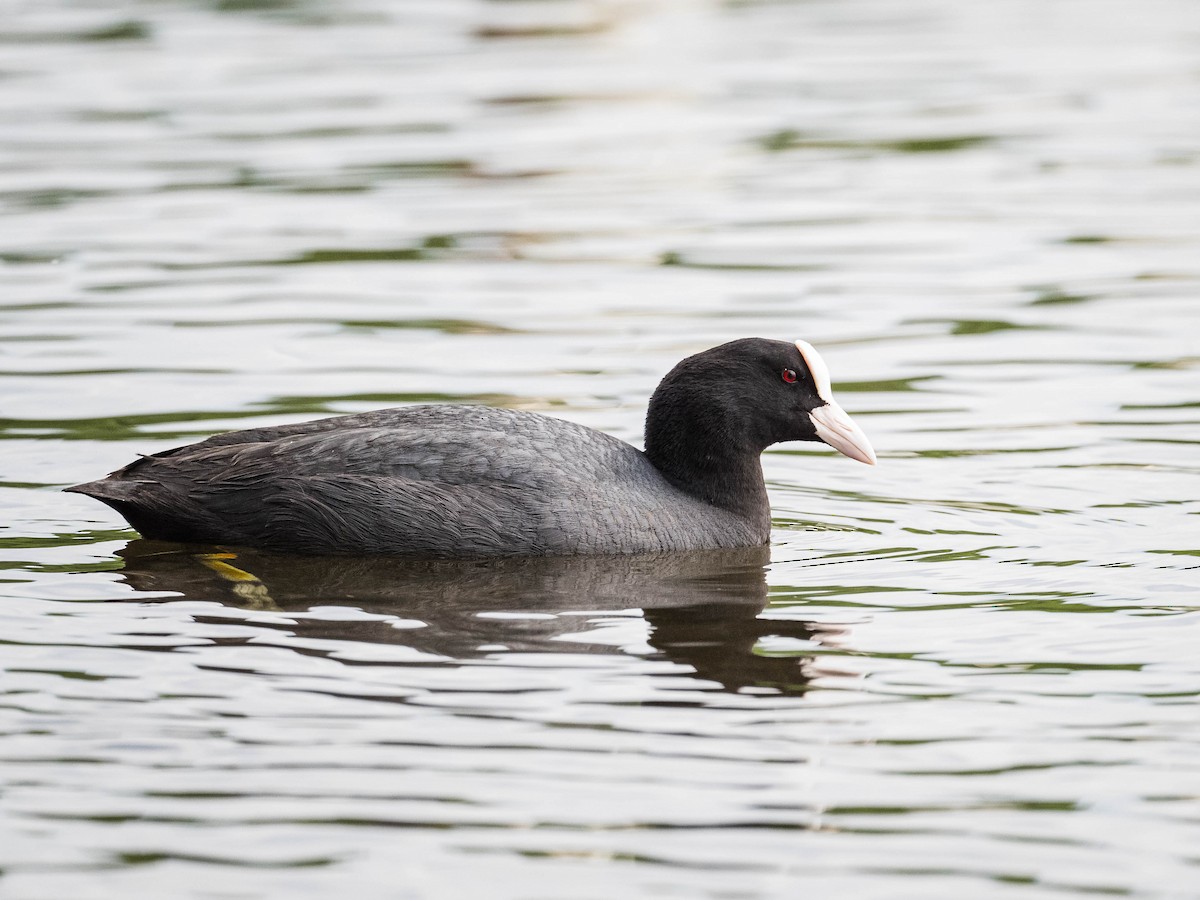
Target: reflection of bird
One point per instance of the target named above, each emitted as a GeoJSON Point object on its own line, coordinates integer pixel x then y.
{"type": "Point", "coordinates": [453, 481]}
{"type": "Point", "coordinates": [702, 607]}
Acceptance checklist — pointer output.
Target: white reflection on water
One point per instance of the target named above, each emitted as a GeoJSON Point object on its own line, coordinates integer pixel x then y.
{"type": "Point", "coordinates": [975, 673]}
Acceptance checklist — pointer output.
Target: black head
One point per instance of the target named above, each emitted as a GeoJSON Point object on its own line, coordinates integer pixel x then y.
{"type": "Point", "coordinates": [747, 395]}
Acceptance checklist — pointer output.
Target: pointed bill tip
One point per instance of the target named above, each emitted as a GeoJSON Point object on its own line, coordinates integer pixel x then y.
{"type": "Point", "coordinates": [842, 433]}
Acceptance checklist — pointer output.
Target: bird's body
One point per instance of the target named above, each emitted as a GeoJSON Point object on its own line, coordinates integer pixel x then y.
{"type": "Point", "coordinates": [469, 481]}
{"type": "Point", "coordinates": [499, 482]}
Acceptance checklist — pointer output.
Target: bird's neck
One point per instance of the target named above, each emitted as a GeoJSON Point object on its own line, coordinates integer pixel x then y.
{"type": "Point", "coordinates": [697, 451]}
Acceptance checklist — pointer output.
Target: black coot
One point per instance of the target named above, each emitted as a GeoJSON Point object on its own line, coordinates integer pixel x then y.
{"type": "Point", "coordinates": [469, 481]}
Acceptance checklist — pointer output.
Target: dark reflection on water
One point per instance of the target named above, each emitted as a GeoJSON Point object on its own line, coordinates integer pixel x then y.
{"type": "Point", "coordinates": [703, 608]}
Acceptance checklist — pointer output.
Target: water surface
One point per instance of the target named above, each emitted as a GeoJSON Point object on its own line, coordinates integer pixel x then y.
{"type": "Point", "coordinates": [970, 671]}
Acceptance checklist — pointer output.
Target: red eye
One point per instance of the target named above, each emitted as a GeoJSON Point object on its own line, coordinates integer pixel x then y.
{"type": "Point", "coordinates": [789, 376]}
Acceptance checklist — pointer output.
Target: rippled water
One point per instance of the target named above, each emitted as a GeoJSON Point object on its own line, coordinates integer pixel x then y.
{"type": "Point", "coordinates": [969, 672]}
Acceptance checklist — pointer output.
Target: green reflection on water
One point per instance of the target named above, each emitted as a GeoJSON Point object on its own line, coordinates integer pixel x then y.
{"type": "Point", "coordinates": [794, 140]}
{"type": "Point", "coordinates": [66, 539]}
{"type": "Point", "coordinates": [889, 385]}
{"type": "Point", "coordinates": [434, 247]}
{"type": "Point", "coordinates": [446, 326]}
{"type": "Point", "coordinates": [131, 30]}
{"type": "Point", "coordinates": [1088, 239]}
{"type": "Point", "coordinates": [1055, 297]}
{"type": "Point", "coordinates": [397, 254]}
{"type": "Point", "coordinates": [674, 258]}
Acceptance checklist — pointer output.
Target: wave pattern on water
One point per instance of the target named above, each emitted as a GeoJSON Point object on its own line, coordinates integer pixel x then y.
{"type": "Point", "coordinates": [968, 672]}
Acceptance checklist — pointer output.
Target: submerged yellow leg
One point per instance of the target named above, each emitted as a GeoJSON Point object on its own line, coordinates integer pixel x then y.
{"type": "Point", "coordinates": [245, 584]}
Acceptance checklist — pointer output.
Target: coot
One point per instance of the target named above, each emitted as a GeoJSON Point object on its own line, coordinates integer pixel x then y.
{"type": "Point", "coordinates": [470, 481]}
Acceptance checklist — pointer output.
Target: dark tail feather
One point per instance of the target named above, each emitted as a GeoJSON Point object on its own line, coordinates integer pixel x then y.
{"type": "Point", "coordinates": [153, 509]}
{"type": "Point", "coordinates": [105, 490]}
